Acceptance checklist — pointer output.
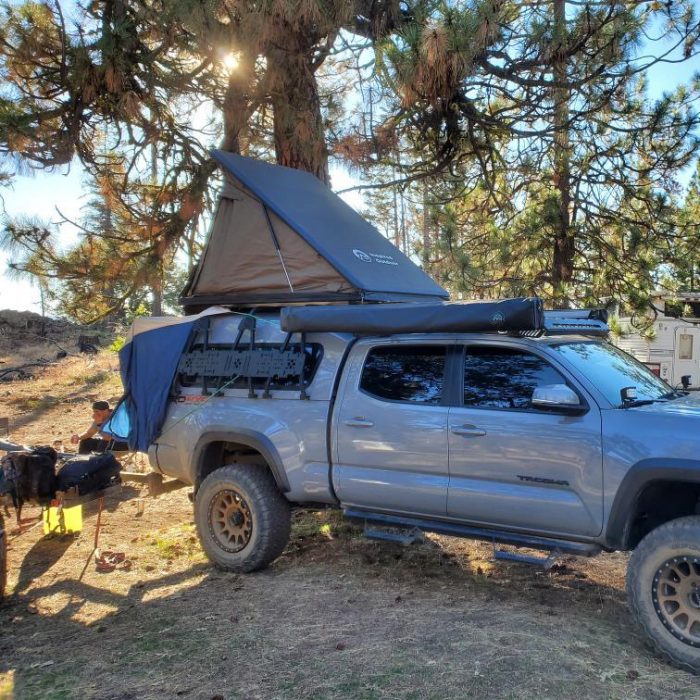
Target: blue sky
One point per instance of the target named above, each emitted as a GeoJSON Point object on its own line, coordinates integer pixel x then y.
{"type": "Point", "coordinates": [37, 195]}
{"type": "Point", "coordinates": [41, 194]}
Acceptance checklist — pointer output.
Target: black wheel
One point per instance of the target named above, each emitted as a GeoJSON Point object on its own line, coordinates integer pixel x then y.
{"type": "Point", "coordinates": [663, 585]}
{"type": "Point", "coordinates": [243, 520]}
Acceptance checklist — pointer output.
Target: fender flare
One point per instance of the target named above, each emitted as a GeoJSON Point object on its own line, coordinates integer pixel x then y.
{"type": "Point", "coordinates": [639, 476]}
{"type": "Point", "coordinates": [256, 441]}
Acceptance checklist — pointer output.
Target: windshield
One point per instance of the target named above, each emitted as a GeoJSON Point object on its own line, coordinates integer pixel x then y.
{"type": "Point", "coordinates": [611, 370]}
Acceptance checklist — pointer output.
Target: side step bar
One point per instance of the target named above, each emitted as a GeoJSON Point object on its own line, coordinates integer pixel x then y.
{"type": "Point", "coordinates": [404, 536]}
{"type": "Point", "coordinates": [547, 544]}
{"type": "Point", "coordinates": [545, 563]}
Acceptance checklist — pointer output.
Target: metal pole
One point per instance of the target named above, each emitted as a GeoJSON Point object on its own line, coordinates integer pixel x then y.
{"type": "Point", "coordinates": [277, 247]}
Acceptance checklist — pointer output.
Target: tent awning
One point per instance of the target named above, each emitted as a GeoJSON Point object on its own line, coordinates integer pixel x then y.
{"type": "Point", "coordinates": [521, 314]}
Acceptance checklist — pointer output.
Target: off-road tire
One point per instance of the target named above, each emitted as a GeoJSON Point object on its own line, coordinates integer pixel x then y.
{"type": "Point", "coordinates": [675, 541]}
{"type": "Point", "coordinates": [266, 509]}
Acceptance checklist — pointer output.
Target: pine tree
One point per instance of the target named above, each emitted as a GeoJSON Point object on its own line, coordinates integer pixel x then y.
{"type": "Point", "coordinates": [140, 74]}
{"type": "Point", "coordinates": [533, 120]}
{"type": "Point", "coordinates": [685, 271]}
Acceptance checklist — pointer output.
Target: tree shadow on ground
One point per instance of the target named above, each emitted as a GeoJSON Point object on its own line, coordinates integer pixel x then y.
{"type": "Point", "coordinates": [48, 550]}
{"type": "Point", "coordinates": [45, 553]}
{"type": "Point", "coordinates": [332, 618]}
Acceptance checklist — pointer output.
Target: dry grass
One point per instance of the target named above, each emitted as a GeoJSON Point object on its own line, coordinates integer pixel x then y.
{"type": "Point", "coordinates": [337, 616]}
{"type": "Point", "coordinates": [27, 337]}
{"type": "Point", "coordinates": [57, 402]}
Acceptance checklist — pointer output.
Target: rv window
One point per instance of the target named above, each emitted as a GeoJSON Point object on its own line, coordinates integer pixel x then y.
{"type": "Point", "coordinates": [685, 346]}
{"type": "Point", "coordinates": [682, 307]}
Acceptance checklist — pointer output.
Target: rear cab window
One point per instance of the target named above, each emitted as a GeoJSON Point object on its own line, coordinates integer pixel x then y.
{"type": "Point", "coordinates": [405, 373]}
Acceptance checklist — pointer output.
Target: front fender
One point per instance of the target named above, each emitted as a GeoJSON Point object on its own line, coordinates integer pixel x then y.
{"type": "Point", "coordinates": [639, 476]}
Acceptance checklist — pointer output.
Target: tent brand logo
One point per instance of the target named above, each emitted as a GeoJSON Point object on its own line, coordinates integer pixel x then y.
{"type": "Point", "coordinates": [361, 255]}
{"type": "Point", "coordinates": [374, 257]}
{"type": "Point", "coordinates": [498, 318]}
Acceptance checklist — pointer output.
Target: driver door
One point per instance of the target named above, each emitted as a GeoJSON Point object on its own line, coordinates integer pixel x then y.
{"type": "Point", "coordinates": [516, 466]}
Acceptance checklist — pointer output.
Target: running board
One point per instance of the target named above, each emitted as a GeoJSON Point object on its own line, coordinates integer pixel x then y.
{"type": "Point", "coordinates": [580, 549]}
{"type": "Point", "coordinates": [406, 537]}
{"type": "Point", "coordinates": [545, 563]}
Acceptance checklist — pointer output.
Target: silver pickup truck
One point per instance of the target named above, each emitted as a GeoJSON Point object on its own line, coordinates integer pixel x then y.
{"type": "Point", "coordinates": [560, 443]}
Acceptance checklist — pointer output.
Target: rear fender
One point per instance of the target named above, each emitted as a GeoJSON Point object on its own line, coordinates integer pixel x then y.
{"type": "Point", "coordinates": [255, 441]}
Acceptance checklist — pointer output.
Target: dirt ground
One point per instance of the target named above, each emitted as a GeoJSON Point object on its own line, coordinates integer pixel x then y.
{"type": "Point", "coordinates": [27, 337]}
{"type": "Point", "coordinates": [337, 616]}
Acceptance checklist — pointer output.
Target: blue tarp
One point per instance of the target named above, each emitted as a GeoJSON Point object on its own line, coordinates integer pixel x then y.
{"type": "Point", "coordinates": [148, 363]}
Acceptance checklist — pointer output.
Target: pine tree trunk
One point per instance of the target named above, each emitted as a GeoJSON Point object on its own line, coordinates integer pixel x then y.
{"type": "Point", "coordinates": [404, 228]}
{"type": "Point", "coordinates": [427, 239]}
{"type": "Point", "coordinates": [157, 284]}
{"type": "Point", "coordinates": [564, 241]}
{"type": "Point", "coordinates": [157, 304]}
{"type": "Point", "coordinates": [157, 295]}
{"type": "Point", "coordinates": [298, 124]}
{"type": "Point", "coordinates": [237, 105]}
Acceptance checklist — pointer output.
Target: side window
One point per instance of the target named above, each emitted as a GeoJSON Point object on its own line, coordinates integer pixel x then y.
{"type": "Point", "coordinates": [685, 346]}
{"type": "Point", "coordinates": [412, 373]}
{"type": "Point", "coordinates": [504, 378]}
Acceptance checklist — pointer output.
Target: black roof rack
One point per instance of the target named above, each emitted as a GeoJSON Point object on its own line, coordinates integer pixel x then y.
{"type": "Point", "coordinates": [572, 322]}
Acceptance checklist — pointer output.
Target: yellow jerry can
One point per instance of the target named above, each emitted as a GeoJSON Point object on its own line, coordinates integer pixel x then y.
{"type": "Point", "coordinates": [62, 521]}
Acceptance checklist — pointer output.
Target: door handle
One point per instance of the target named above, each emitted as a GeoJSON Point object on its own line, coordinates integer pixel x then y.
{"type": "Point", "coordinates": [359, 422]}
{"type": "Point", "coordinates": [468, 431]}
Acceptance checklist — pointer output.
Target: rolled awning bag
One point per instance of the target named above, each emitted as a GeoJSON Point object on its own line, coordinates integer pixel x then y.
{"type": "Point", "coordinates": [522, 314]}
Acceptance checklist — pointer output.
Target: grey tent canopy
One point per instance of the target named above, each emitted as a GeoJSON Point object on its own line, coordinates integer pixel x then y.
{"type": "Point", "coordinates": [280, 236]}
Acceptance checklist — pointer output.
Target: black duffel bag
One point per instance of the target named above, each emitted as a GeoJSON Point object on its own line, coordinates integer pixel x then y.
{"type": "Point", "coordinates": [89, 473]}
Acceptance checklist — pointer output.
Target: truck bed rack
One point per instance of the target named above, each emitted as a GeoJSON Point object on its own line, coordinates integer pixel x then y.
{"type": "Point", "coordinates": [247, 363]}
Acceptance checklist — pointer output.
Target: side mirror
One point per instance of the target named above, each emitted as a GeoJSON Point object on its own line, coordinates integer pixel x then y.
{"type": "Point", "coordinates": [686, 381]}
{"type": "Point", "coordinates": [557, 397]}
{"type": "Point", "coordinates": [628, 394]}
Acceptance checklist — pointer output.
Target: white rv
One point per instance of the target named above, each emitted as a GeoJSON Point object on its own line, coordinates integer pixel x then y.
{"type": "Point", "coordinates": [674, 350]}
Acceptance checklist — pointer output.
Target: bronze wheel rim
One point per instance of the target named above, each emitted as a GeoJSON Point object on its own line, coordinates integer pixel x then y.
{"type": "Point", "coordinates": [676, 597]}
{"type": "Point", "coordinates": [230, 521]}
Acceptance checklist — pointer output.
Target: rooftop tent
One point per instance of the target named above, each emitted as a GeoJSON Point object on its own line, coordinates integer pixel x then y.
{"type": "Point", "coordinates": [148, 362]}
{"type": "Point", "coordinates": [281, 236]}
